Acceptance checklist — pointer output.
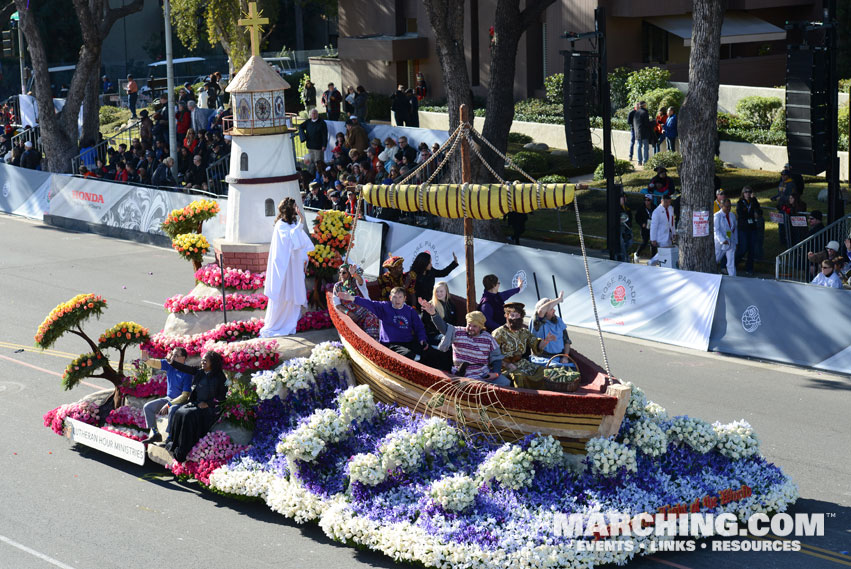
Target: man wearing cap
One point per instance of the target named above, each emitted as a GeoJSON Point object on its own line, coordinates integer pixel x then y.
{"type": "Point", "coordinates": [785, 189]}
{"type": "Point", "coordinates": [132, 95]}
{"type": "Point", "coordinates": [475, 353]}
{"type": "Point", "coordinates": [796, 178]}
{"type": "Point", "coordinates": [726, 237]}
{"type": "Point", "coordinates": [662, 224]}
{"type": "Point", "coordinates": [748, 214]}
{"type": "Point", "coordinates": [395, 277]}
{"type": "Point", "coordinates": [337, 203]}
{"type": "Point", "coordinates": [516, 341]}
{"type": "Point", "coordinates": [356, 138]}
{"type": "Point", "coordinates": [816, 222]}
{"type": "Point", "coordinates": [31, 158]}
{"type": "Point", "coordinates": [332, 99]}
{"type": "Point", "coordinates": [830, 253]}
{"type": "Point", "coordinates": [401, 328]}
{"type": "Point", "coordinates": [316, 199]}
{"type": "Point", "coordinates": [314, 133]}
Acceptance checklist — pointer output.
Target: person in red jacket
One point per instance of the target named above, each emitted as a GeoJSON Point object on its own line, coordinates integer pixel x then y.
{"type": "Point", "coordinates": [184, 121]}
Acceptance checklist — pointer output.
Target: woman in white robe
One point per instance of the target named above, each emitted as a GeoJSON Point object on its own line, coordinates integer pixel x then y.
{"type": "Point", "coordinates": [285, 271]}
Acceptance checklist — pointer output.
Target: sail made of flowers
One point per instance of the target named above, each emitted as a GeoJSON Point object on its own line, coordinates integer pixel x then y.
{"type": "Point", "coordinates": [476, 201]}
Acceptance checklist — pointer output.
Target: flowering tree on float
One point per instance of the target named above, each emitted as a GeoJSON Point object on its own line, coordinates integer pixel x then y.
{"type": "Point", "coordinates": [332, 233]}
{"type": "Point", "coordinates": [68, 318]}
{"type": "Point", "coordinates": [184, 227]}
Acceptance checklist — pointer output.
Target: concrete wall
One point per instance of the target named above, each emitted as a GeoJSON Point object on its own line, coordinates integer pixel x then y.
{"type": "Point", "coordinates": [324, 70]}
{"type": "Point", "coordinates": [729, 95]}
{"type": "Point", "coordinates": [738, 154]}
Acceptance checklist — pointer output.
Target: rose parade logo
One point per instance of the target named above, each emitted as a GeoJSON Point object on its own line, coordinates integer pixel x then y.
{"type": "Point", "coordinates": [618, 290]}
{"type": "Point", "coordinates": [618, 296]}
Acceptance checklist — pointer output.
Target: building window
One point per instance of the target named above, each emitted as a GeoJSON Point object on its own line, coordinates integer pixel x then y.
{"type": "Point", "coordinates": [270, 206]}
{"type": "Point", "coordinates": [654, 44]}
{"type": "Point", "coordinates": [243, 162]}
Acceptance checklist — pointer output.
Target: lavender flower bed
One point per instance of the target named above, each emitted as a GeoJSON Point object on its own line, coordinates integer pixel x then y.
{"type": "Point", "coordinates": [417, 489]}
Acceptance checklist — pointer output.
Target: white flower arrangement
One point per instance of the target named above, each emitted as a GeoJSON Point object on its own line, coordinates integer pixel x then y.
{"type": "Point", "coordinates": [328, 425]}
{"type": "Point", "coordinates": [266, 383]}
{"type": "Point", "coordinates": [328, 356]}
{"type": "Point", "coordinates": [607, 457]}
{"type": "Point", "coordinates": [510, 465]}
{"type": "Point", "coordinates": [655, 412]}
{"type": "Point", "coordinates": [736, 440]}
{"type": "Point", "coordinates": [401, 449]}
{"type": "Point", "coordinates": [302, 444]}
{"type": "Point", "coordinates": [252, 483]}
{"type": "Point", "coordinates": [294, 501]}
{"type": "Point", "coordinates": [367, 469]}
{"type": "Point", "coordinates": [546, 450]}
{"type": "Point", "coordinates": [697, 434]}
{"type": "Point", "coordinates": [454, 493]}
{"type": "Point", "coordinates": [637, 401]}
{"type": "Point", "coordinates": [647, 437]}
{"type": "Point", "coordinates": [438, 436]}
{"type": "Point", "coordinates": [296, 374]}
{"type": "Point", "coordinates": [356, 404]}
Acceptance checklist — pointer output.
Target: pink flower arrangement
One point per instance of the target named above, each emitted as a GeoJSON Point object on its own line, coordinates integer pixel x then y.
{"type": "Point", "coordinates": [213, 451]}
{"type": "Point", "coordinates": [126, 415]}
{"type": "Point", "coordinates": [84, 411]}
{"type": "Point", "coordinates": [161, 344]}
{"type": "Point", "coordinates": [211, 275]}
{"type": "Point", "coordinates": [315, 320]}
{"type": "Point", "coordinates": [235, 301]}
{"type": "Point", "coordinates": [154, 387]}
{"type": "Point", "coordinates": [250, 355]}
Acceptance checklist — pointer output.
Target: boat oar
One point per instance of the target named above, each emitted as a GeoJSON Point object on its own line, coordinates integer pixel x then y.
{"type": "Point", "coordinates": [555, 292]}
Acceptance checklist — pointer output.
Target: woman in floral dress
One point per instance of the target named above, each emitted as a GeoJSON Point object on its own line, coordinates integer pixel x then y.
{"type": "Point", "coordinates": [351, 281]}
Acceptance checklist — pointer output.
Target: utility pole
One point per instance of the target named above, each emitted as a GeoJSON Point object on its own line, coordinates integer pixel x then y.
{"type": "Point", "coordinates": [172, 125]}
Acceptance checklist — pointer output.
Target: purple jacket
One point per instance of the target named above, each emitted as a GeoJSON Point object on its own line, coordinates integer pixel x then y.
{"type": "Point", "coordinates": [397, 325]}
{"type": "Point", "coordinates": [492, 304]}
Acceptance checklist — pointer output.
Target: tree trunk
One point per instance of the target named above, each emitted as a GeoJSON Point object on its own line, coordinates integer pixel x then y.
{"type": "Point", "coordinates": [697, 123]}
{"type": "Point", "coordinates": [91, 109]}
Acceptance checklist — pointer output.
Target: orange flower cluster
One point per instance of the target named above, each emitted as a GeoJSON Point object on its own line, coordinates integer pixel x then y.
{"type": "Point", "coordinates": [122, 334]}
{"type": "Point", "coordinates": [332, 232]}
{"type": "Point", "coordinates": [82, 366]}
{"type": "Point", "coordinates": [67, 315]}
{"type": "Point", "coordinates": [189, 218]}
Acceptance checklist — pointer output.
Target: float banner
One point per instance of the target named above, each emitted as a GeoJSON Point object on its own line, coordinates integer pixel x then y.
{"type": "Point", "coordinates": [786, 322]}
{"type": "Point", "coordinates": [382, 131]}
{"type": "Point", "coordinates": [657, 304]}
{"type": "Point", "coordinates": [24, 192]}
{"type": "Point", "coordinates": [123, 206]}
{"type": "Point", "coordinates": [105, 441]}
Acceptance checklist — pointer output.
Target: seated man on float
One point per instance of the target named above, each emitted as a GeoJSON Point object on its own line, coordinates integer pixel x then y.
{"type": "Point", "coordinates": [178, 388]}
{"type": "Point", "coordinates": [516, 342]}
{"type": "Point", "coordinates": [475, 354]}
{"type": "Point", "coordinates": [545, 323]}
{"type": "Point", "coordinates": [395, 277]}
{"type": "Point", "coordinates": [401, 328]}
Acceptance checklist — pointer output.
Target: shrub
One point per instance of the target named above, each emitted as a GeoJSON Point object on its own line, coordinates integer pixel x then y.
{"type": "Point", "coordinates": [621, 167]}
{"type": "Point", "coordinates": [658, 98]}
{"type": "Point", "coordinates": [554, 85]}
{"type": "Point", "coordinates": [538, 110]}
{"type": "Point", "coordinates": [618, 123]}
{"type": "Point", "coordinates": [726, 121]}
{"type": "Point", "coordinates": [844, 116]}
{"type": "Point", "coordinates": [618, 89]}
{"type": "Point", "coordinates": [109, 114]}
{"type": "Point", "coordinates": [553, 179]}
{"type": "Point", "coordinates": [719, 165]}
{"type": "Point", "coordinates": [779, 122]}
{"type": "Point", "coordinates": [519, 138]}
{"type": "Point", "coordinates": [378, 107]}
{"type": "Point", "coordinates": [531, 161]}
{"type": "Point", "coordinates": [644, 80]}
{"type": "Point", "coordinates": [759, 110]}
{"type": "Point", "coordinates": [670, 160]}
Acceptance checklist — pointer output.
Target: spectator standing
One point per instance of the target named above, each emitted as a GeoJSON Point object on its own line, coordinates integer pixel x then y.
{"type": "Point", "coordinates": [786, 188]}
{"type": "Point", "coordinates": [132, 95]}
{"type": "Point", "coordinates": [361, 103]}
{"type": "Point", "coordinates": [106, 84]}
{"type": "Point", "coordinates": [630, 118]}
{"type": "Point", "coordinates": [748, 213]}
{"type": "Point", "coordinates": [183, 119]}
{"type": "Point", "coordinates": [356, 138]}
{"type": "Point", "coordinates": [400, 106]}
{"type": "Point", "coordinates": [314, 133]}
{"type": "Point", "coordinates": [671, 129]}
{"type": "Point", "coordinates": [797, 179]}
{"type": "Point", "coordinates": [625, 230]}
{"type": "Point", "coordinates": [146, 129]}
{"type": "Point", "coordinates": [332, 99]}
{"type": "Point", "coordinates": [662, 224]}
{"type": "Point", "coordinates": [308, 95]}
{"type": "Point", "coordinates": [641, 125]}
{"type": "Point", "coordinates": [420, 88]}
{"type": "Point", "coordinates": [815, 222]}
{"type": "Point", "coordinates": [720, 196]}
{"type": "Point", "coordinates": [661, 184]}
{"type": "Point", "coordinates": [642, 217]}
{"type": "Point", "coordinates": [659, 130]}
{"type": "Point", "coordinates": [726, 236]}
{"type": "Point", "coordinates": [349, 101]}
{"type": "Point", "coordinates": [413, 110]}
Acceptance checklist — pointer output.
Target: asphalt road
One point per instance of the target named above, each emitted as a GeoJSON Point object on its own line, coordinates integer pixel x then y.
{"type": "Point", "coordinates": [71, 507]}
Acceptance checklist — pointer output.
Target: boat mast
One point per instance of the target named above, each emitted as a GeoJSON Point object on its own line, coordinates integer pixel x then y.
{"type": "Point", "coordinates": [466, 178]}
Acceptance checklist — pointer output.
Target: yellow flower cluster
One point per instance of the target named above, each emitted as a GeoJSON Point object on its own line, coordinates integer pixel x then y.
{"type": "Point", "coordinates": [325, 256]}
{"type": "Point", "coordinates": [122, 334]}
{"type": "Point", "coordinates": [66, 315]}
{"type": "Point", "coordinates": [191, 245]}
{"type": "Point", "coordinates": [189, 218]}
{"type": "Point", "coordinates": [333, 228]}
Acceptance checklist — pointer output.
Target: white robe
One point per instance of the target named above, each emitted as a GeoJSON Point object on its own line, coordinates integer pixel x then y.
{"type": "Point", "coordinates": [285, 286]}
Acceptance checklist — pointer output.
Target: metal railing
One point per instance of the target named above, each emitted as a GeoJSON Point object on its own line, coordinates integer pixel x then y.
{"type": "Point", "coordinates": [125, 136]}
{"type": "Point", "coordinates": [793, 264]}
{"type": "Point", "coordinates": [216, 173]}
{"type": "Point", "coordinates": [27, 135]}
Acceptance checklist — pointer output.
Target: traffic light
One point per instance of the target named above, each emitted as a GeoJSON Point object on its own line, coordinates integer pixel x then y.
{"type": "Point", "coordinates": [8, 44]}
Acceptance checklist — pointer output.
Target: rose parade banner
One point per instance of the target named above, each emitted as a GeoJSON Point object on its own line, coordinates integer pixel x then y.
{"type": "Point", "coordinates": [24, 192]}
{"type": "Point", "coordinates": [123, 207]}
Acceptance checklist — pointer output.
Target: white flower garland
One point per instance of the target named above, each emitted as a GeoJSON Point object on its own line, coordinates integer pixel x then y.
{"type": "Point", "coordinates": [607, 457]}
{"type": "Point", "coordinates": [637, 401]}
{"type": "Point", "coordinates": [328, 425]}
{"type": "Point", "coordinates": [736, 440]}
{"type": "Point", "coordinates": [356, 404]}
{"type": "Point", "coordinates": [294, 501]}
{"type": "Point", "coordinates": [510, 466]}
{"type": "Point", "coordinates": [647, 437]}
{"type": "Point", "coordinates": [328, 357]}
{"type": "Point", "coordinates": [655, 412]}
{"type": "Point", "coordinates": [546, 450]}
{"type": "Point", "coordinates": [266, 383]}
{"type": "Point", "coordinates": [252, 483]}
{"type": "Point", "coordinates": [438, 436]}
{"type": "Point", "coordinates": [401, 449]}
{"type": "Point", "coordinates": [697, 434]}
{"type": "Point", "coordinates": [302, 444]}
{"type": "Point", "coordinates": [367, 469]}
{"type": "Point", "coordinates": [454, 493]}
{"type": "Point", "coordinates": [296, 374]}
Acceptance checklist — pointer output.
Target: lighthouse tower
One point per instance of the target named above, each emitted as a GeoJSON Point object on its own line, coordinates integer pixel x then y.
{"type": "Point", "coordinates": [262, 160]}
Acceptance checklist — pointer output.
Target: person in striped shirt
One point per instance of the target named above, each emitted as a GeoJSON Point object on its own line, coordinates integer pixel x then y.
{"type": "Point", "coordinates": [475, 354]}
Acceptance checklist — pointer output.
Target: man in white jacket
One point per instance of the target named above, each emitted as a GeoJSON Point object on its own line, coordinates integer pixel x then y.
{"type": "Point", "coordinates": [662, 227]}
{"type": "Point", "coordinates": [726, 236]}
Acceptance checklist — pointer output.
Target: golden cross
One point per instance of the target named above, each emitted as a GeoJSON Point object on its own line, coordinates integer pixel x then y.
{"type": "Point", "coordinates": [253, 23]}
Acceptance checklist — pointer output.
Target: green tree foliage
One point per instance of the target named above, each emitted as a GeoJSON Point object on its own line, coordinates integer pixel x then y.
{"type": "Point", "coordinates": [617, 86]}
{"type": "Point", "coordinates": [644, 80]}
{"type": "Point", "coordinates": [663, 98]}
{"type": "Point", "coordinates": [760, 111]}
{"type": "Point", "coordinates": [554, 85]}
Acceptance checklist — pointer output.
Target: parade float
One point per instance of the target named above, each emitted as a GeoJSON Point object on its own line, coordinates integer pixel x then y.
{"type": "Point", "coordinates": [361, 444]}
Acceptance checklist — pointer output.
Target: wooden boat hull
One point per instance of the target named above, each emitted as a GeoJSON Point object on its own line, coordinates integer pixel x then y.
{"type": "Point", "coordinates": [596, 409]}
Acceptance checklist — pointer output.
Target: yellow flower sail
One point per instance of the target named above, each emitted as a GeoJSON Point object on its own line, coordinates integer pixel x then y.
{"type": "Point", "coordinates": [476, 201]}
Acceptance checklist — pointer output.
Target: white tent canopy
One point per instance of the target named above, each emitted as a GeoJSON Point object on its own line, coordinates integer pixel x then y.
{"type": "Point", "coordinates": [738, 27]}
{"type": "Point", "coordinates": [176, 61]}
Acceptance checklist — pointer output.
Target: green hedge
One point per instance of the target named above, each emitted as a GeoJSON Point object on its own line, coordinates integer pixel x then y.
{"type": "Point", "coordinates": [759, 111]}
{"type": "Point", "coordinates": [666, 158]}
{"type": "Point", "coordinates": [663, 98]}
{"type": "Point", "coordinates": [621, 167]}
{"type": "Point", "coordinates": [553, 179]}
{"type": "Point", "coordinates": [554, 85]}
{"type": "Point", "coordinates": [531, 161]}
{"type": "Point", "coordinates": [519, 138]}
{"type": "Point", "coordinates": [642, 81]}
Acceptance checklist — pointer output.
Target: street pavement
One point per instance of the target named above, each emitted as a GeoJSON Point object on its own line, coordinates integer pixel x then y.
{"type": "Point", "coordinates": [75, 508]}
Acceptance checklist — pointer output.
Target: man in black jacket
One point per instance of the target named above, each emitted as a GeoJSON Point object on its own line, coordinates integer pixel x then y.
{"type": "Point", "coordinates": [748, 214]}
{"type": "Point", "coordinates": [162, 175]}
{"type": "Point", "coordinates": [31, 157]}
{"type": "Point", "coordinates": [314, 133]}
{"type": "Point", "coordinates": [642, 128]}
{"type": "Point", "coordinates": [400, 106]}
